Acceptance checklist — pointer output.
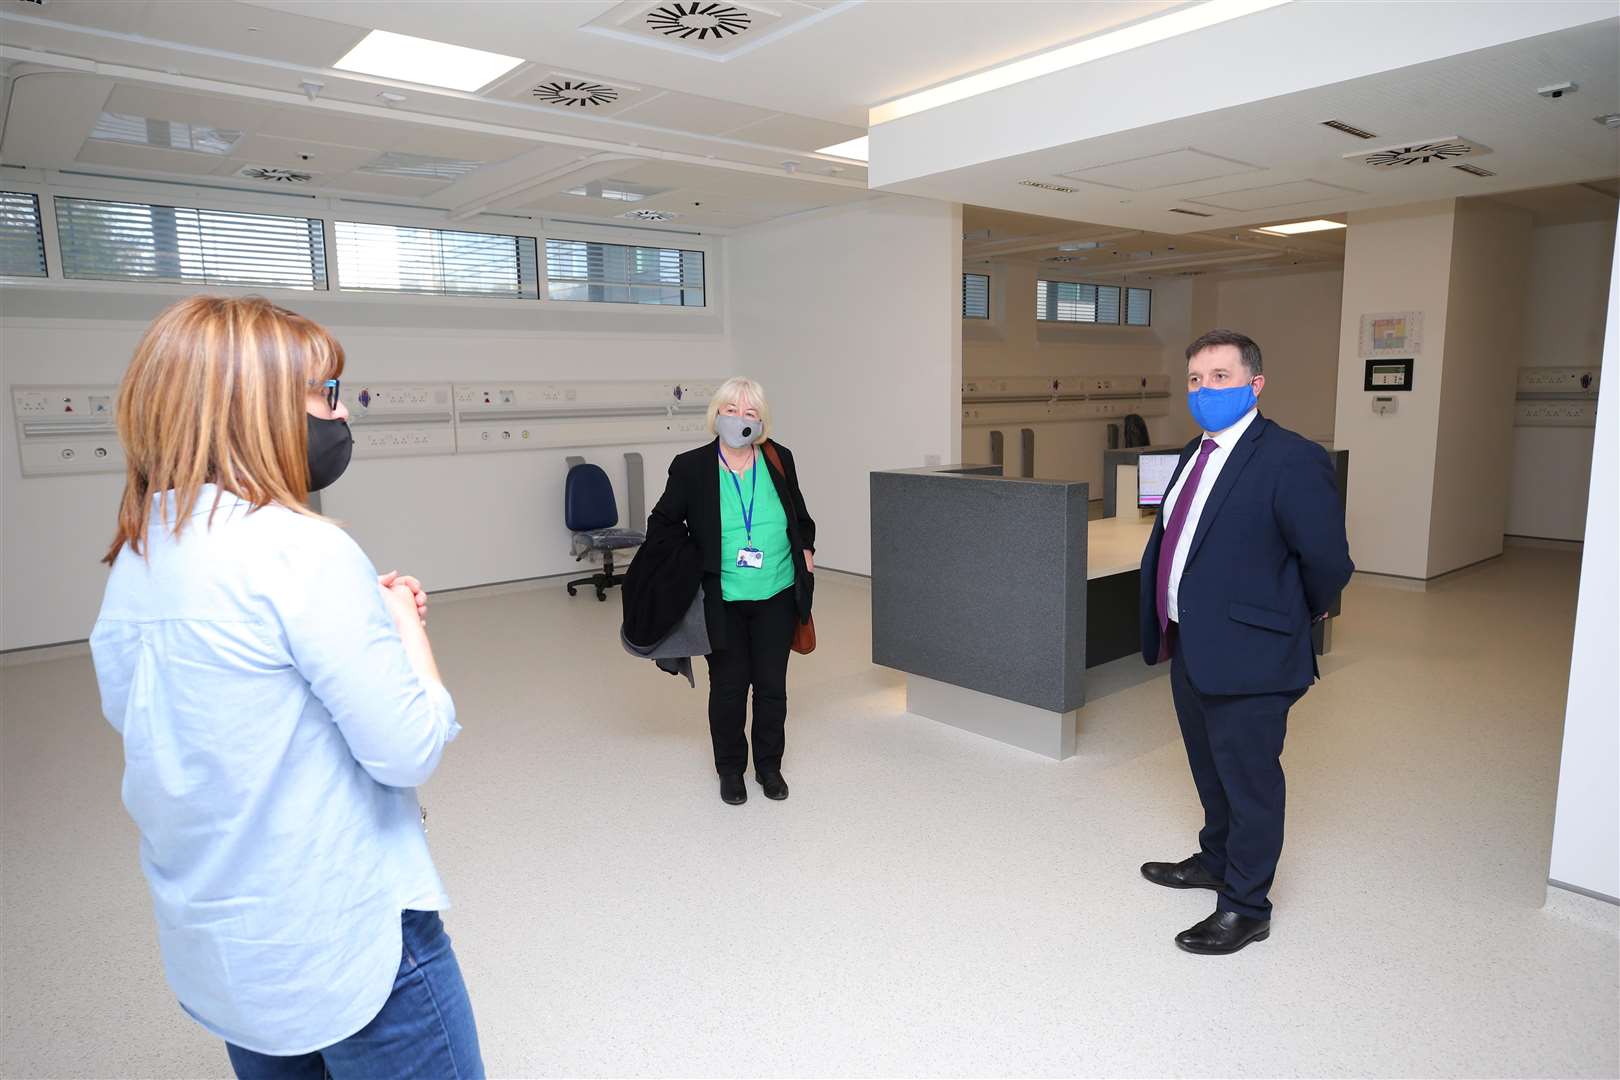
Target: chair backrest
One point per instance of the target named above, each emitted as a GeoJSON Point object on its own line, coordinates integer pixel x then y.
{"type": "Point", "coordinates": [588, 499]}
{"type": "Point", "coordinates": [1136, 431]}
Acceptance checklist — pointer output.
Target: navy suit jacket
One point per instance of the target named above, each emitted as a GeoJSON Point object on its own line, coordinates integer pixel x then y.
{"type": "Point", "coordinates": [1268, 555]}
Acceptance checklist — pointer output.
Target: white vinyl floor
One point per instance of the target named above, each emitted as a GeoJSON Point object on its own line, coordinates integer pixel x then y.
{"type": "Point", "coordinates": [928, 902]}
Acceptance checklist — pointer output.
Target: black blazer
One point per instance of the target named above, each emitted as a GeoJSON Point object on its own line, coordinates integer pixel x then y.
{"type": "Point", "coordinates": [691, 502]}
{"type": "Point", "coordinates": [1268, 555]}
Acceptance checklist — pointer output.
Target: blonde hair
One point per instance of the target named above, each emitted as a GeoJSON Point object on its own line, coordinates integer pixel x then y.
{"type": "Point", "coordinates": [742, 392]}
{"type": "Point", "coordinates": [215, 394]}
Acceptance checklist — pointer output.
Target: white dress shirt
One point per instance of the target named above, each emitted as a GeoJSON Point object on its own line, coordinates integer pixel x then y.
{"type": "Point", "coordinates": [1224, 442]}
{"type": "Point", "coordinates": [273, 734]}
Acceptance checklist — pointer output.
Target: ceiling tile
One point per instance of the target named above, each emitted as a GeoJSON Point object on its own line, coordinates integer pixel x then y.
{"type": "Point", "coordinates": [687, 112]}
{"type": "Point", "coordinates": [251, 31]}
{"type": "Point", "coordinates": [1263, 198]}
{"type": "Point", "coordinates": [464, 145]}
{"type": "Point", "coordinates": [372, 184]}
{"type": "Point", "coordinates": [153, 103]}
{"type": "Point", "coordinates": [795, 132]}
{"type": "Point", "coordinates": [128, 156]}
{"type": "Point", "coordinates": [323, 157]}
{"type": "Point", "coordinates": [1184, 166]}
{"type": "Point", "coordinates": [332, 127]}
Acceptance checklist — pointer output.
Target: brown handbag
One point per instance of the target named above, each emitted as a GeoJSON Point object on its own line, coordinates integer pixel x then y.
{"type": "Point", "coordinates": [804, 633]}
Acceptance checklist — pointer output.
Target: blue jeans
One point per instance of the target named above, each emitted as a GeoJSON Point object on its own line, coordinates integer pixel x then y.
{"type": "Point", "coordinates": [425, 1029]}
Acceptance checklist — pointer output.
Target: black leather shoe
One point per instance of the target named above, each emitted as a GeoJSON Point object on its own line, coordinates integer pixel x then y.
{"type": "Point", "coordinates": [732, 789]}
{"type": "Point", "coordinates": [1223, 932]}
{"type": "Point", "coordinates": [771, 780]}
{"type": "Point", "coordinates": [1186, 874]}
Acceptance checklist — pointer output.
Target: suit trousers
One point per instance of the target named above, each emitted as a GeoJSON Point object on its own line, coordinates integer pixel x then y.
{"type": "Point", "coordinates": [759, 637]}
{"type": "Point", "coordinates": [1234, 746]}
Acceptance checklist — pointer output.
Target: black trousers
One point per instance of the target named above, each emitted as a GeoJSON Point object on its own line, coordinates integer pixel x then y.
{"type": "Point", "coordinates": [759, 636]}
{"type": "Point", "coordinates": [1234, 745]}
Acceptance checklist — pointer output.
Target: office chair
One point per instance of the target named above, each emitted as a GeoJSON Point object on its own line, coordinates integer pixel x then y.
{"type": "Point", "coordinates": [591, 514]}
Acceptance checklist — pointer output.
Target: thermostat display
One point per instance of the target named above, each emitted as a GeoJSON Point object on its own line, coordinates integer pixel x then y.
{"type": "Point", "coordinates": [1387, 375]}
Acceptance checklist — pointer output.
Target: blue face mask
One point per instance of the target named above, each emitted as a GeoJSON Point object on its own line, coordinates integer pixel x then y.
{"type": "Point", "coordinates": [1217, 410]}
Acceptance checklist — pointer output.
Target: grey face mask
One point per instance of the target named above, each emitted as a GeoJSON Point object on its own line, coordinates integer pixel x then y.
{"type": "Point", "coordinates": [736, 431]}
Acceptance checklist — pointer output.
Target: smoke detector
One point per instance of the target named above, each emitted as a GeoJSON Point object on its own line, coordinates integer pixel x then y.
{"type": "Point", "coordinates": [648, 215]}
{"type": "Point", "coordinates": [580, 93]}
{"type": "Point", "coordinates": [274, 176]}
{"type": "Point", "coordinates": [1047, 186]}
{"type": "Point", "coordinates": [1425, 152]}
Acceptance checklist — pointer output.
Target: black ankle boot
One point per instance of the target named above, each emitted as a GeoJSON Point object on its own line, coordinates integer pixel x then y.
{"type": "Point", "coordinates": [732, 789]}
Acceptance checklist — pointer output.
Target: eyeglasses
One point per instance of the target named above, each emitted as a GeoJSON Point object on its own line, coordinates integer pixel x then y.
{"type": "Point", "coordinates": [329, 388]}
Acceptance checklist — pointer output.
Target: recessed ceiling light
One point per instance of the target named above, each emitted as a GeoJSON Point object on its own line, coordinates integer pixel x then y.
{"type": "Point", "coordinates": [420, 166]}
{"type": "Point", "coordinates": [1180, 21]}
{"type": "Point", "coordinates": [1294, 228]}
{"type": "Point", "coordinates": [419, 60]}
{"type": "Point", "coordinates": [1078, 245]}
{"type": "Point", "coordinates": [1609, 120]}
{"type": "Point", "coordinates": [853, 150]}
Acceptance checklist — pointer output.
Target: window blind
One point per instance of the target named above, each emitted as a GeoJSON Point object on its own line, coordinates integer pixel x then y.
{"type": "Point", "coordinates": [623, 274]}
{"type": "Point", "coordinates": [22, 241]}
{"type": "Point", "coordinates": [1108, 304]}
{"type": "Point", "coordinates": [1065, 301]}
{"type": "Point", "coordinates": [144, 242]}
{"type": "Point", "coordinates": [975, 296]}
{"type": "Point", "coordinates": [1139, 307]}
{"type": "Point", "coordinates": [440, 262]}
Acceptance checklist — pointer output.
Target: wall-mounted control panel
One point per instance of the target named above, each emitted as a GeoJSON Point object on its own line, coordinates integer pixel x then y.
{"type": "Point", "coordinates": [494, 417]}
{"type": "Point", "coordinates": [66, 430]}
{"type": "Point", "coordinates": [1028, 399]}
{"type": "Point", "coordinates": [1562, 382]}
{"type": "Point", "coordinates": [401, 419]}
{"type": "Point", "coordinates": [1556, 397]}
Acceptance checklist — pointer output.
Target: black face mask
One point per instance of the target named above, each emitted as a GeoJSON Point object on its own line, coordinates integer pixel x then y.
{"type": "Point", "coordinates": [330, 445]}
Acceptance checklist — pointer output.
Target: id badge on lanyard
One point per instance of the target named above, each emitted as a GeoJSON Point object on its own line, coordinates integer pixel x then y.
{"type": "Point", "coordinates": [749, 557]}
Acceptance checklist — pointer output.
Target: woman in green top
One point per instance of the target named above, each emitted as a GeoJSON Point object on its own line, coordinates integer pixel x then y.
{"type": "Point", "coordinates": [757, 543]}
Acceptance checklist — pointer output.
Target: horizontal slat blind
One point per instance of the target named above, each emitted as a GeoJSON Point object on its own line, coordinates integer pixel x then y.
{"type": "Point", "coordinates": [1065, 301]}
{"type": "Point", "coordinates": [139, 241]}
{"type": "Point", "coordinates": [1139, 307]}
{"type": "Point", "coordinates": [1108, 304]}
{"type": "Point", "coordinates": [441, 262]}
{"type": "Point", "coordinates": [975, 296]}
{"type": "Point", "coordinates": [22, 242]}
{"type": "Point", "coordinates": [623, 274]}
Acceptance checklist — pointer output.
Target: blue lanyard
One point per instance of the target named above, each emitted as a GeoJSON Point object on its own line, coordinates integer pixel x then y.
{"type": "Point", "coordinates": [753, 493]}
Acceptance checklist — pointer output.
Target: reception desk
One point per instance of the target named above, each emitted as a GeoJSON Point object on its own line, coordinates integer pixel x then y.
{"type": "Point", "coordinates": [994, 595]}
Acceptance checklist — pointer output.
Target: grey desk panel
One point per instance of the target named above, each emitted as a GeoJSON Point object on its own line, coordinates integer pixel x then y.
{"type": "Point", "coordinates": [980, 582]}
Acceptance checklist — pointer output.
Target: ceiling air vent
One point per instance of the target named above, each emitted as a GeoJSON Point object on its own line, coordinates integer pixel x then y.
{"type": "Point", "coordinates": [577, 92]}
{"type": "Point", "coordinates": [1427, 152]}
{"type": "Point", "coordinates": [274, 176]}
{"type": "Point", "coordinates": [1065, 258]}
{"type": "Point", "coordinates": [699, 21]}
{"type": "Point", "coordinates": [648, 215]}
{"type": "Point", "coordinates": [1046, 186]}
{"type": "Point", "coordinates": [1189, 213]}
{"type": "Point", "coordinates": [1473, 170]}
{"type": "Point", "coordinates": [1340, 125]}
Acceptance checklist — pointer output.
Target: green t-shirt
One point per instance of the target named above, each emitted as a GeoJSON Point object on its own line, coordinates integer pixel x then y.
{"type": "Point", "coordinates": [770, 535]}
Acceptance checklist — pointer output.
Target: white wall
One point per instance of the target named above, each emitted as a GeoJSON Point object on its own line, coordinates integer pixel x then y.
{"type": "Point", "coordinates": [1294, 318]}
{"type": "Point", "coordinates": [1567, 311]}
{"type": "Point", "coordinates": [1013, 342]}
{"type": "Point", "coordinates": [1490, 253]}
{"type": "Point", "coordinates": [454, 521]}
{"type": "Point", "coordinates": [1586, 829]}
{"type": "Point", "coordinates": [1395, 260]}
{"type": "Point", "coordinates": [850, 317]}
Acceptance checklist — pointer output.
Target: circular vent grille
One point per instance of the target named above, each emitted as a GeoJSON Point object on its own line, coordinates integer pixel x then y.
{"type": "Point", "coordinates": [1421, 154]}
{"type": "Point", "coordinates": [699, 21]}
{"type": "Point", "coordinates": [648, 215]}
{"type": "Point", "coordinates": [275, 176]}
{"type": "Point", "coordinates": [575, 92]}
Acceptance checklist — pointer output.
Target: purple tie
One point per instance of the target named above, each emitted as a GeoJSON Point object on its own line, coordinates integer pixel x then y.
{"type": "Point", "coordinates": [1172, 536]}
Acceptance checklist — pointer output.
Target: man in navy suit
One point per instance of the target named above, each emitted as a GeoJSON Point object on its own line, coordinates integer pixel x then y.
{"type": "Point", "coordinates": [1248, 551]}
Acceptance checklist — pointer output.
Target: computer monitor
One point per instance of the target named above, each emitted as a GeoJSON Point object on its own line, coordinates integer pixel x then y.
{"type": "Point", "coordinates": [1153, 472]}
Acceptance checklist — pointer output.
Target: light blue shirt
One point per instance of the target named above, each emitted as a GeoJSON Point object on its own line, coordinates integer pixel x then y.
{"type": "Point", "coordinates": [274, 731]}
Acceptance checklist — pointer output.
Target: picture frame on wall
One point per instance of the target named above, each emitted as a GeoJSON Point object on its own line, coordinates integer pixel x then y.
{"type": "Point", "coordinates": [1391, 335]}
